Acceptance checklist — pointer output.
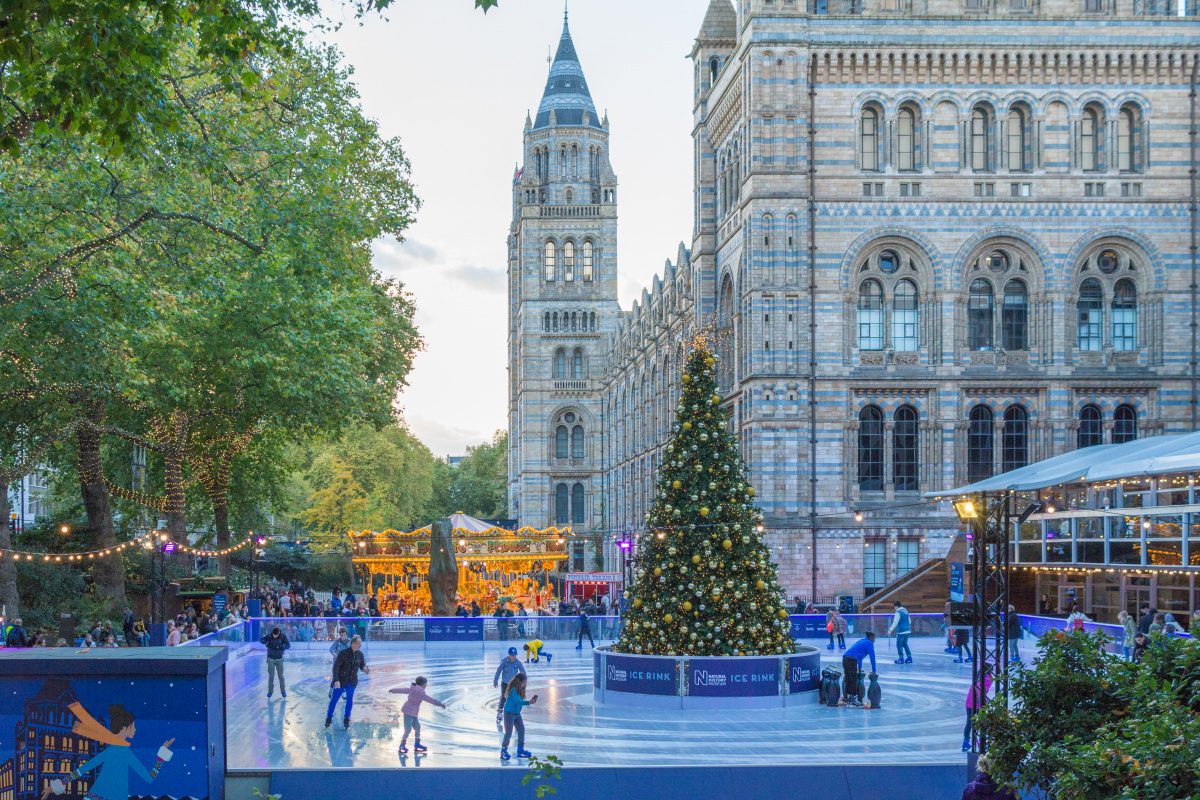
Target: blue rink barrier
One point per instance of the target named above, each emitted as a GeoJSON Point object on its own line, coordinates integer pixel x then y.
{"type": "Point", "coordinates": [628, 679]}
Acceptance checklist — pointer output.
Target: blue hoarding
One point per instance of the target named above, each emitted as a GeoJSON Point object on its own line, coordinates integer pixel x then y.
{"type": "Point", "coordinates": [808, 626]}
{"type": "Point", "coordinates": [732, 677]}
{"type": "Point", "coordinates": [454, 629]}
{"type": "Point", "coordinates": [803, 673]}
{"type": "Point", "coordinates": [640, 675]}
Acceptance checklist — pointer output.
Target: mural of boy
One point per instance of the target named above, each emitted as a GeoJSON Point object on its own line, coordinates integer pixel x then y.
{"type": "Point", "coordinates": [115, 761]}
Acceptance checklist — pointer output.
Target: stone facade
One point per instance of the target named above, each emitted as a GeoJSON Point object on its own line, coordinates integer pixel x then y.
{"type": "Point", "coordinates": [935, 240]}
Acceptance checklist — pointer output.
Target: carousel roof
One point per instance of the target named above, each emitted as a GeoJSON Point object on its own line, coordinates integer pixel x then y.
{"type": "Point", "coordinates": [465, 525]}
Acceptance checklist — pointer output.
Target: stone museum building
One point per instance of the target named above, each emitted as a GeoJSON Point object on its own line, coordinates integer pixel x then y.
{"type": "Point", "coordinates": [936, 240]}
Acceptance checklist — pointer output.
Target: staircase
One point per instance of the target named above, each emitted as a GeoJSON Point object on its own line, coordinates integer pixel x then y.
{"type": "Point", "coordinates": [924, 589]}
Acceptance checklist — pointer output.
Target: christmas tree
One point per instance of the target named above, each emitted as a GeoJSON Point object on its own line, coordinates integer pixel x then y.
{"type": "Point", "coordinates": [704, 583]}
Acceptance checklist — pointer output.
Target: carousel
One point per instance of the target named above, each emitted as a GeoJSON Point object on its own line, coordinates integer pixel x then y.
{"type": "Point", "coordinates": [495, 565]}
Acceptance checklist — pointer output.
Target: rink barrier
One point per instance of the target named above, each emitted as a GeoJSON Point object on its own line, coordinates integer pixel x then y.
{"type": "Point", "coordinates": [629, 679]}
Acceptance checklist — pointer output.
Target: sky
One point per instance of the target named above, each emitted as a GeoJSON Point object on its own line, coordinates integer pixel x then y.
{"type": "Point", "coordinates": [454, 84]}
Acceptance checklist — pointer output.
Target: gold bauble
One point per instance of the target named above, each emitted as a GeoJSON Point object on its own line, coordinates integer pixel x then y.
{"type": "Point", "coordinates": [657, 571]}
{"type": "Point", "coordinates": [704, 511]}
{"type": "Point", "coordinates": [695, 559]}
{"type": "Point", "coordinates": [687, 426]}
{"type": "Point", "coordinates": [637, 602]}
{"type": "Point", "coordinates": [727, 544]}
{"type": "Point", "coordinates": [783, 613]}
{"type": "Point", "coordinates": [750, 491]}
{"type": "Point", "coordinates": [687, 378]}
{"type": "Point", "coordinates": [667, 618]}
{"type": "Point", "coordinates": [761, 584]}
{"type": "Point", "coordinates": [687, 606]}
{"type": "Point", "coordinates": [676, 484]}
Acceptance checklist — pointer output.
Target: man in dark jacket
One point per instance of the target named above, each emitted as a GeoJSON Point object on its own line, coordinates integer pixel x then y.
{"type": "Point", "coordinates": [585, 629]}
{"type": "Point", "coordinates": [345, 679]}
{"type": "Point", "coordinates": [1012, 628]}
{"type": "Point", "coordinates": [276, 642]}
{"type": "Point", "coordinates": [1146, 620]}
{"type": "Point", "coordinates": [983, 787]}
{"type": "Point", "coordinates": [17, 637]}
{"type": "Point", "coordinates": [127, 628]}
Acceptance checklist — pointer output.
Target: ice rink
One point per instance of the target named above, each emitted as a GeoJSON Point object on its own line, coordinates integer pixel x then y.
{"type": "Point", "coordinates": [920, 722]}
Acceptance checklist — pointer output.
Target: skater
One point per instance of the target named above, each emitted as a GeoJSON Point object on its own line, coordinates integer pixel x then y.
{"type": "Point", "coordinates": [412, 711]}
{"type": "Point", "coordinates": [903, 627]}
{"type": "Point", "coordinates": [973, 706]}
{"type": "Point", "coordinates": [514, 703]}
{"type": "Point", "coordinates": [585, 629]}
{"type": "Point", "coordinates": [509, 668]}
{"type": "Point", "coordinates": [534, 648]}
{"type": "Point", "coordinates": [962, 638]}
{"type": "Point", "coordinates": [276, 642]}
{"type": "Point", "coordinates": [342, 642]}
{"type": "Point", "coordinates": [835, 623]}
{"type": "Point", "coordinates": [345, 679]}
{"type": "Point", "coordinates": [852, 664]}
{"type": "Point", "coordinates": [522, 614]}
{"type": "Point", "coordinates": [1012, 630]}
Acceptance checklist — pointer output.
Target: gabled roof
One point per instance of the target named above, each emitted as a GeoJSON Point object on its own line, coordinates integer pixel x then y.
{"type": "Point", "coordinates": [566, 90]}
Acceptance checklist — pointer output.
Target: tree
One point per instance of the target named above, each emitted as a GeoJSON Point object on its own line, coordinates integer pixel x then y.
{"type": "Point", "coordinates": [479, 484]}
{"type": "Point", "coordinates": [705, 583]}
{"type": "Point", "coordinates": [102, 68]}
{"type": "Point", "coordinates": [339, 506]}
{"type": "Point", "coordinates": [1083, 725]}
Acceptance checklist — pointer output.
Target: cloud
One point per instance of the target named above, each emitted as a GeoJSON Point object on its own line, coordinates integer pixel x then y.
{"type": "Point", "coordinates": [445, 440]}
{"type": "Point", "coordinates": [418, 251]}
{"type": "Point", "coordinates": [395, 258]}
{"type": "Point", "coordinates": [485, 279]}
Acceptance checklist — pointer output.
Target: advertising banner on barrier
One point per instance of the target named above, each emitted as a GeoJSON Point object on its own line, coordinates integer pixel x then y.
{"type": "Point", "coordinates": [454, 629]}
{"type": "Point", "coordinates": [732, 677]}
{"type": "Point", "coordinates": [803, 673]}
{"type": "Point", "coordinates": [640, 675]}
{"type": "Point", "coordinates": [808, 626]}
{"type": "Point", "coordinates": [957, 582]}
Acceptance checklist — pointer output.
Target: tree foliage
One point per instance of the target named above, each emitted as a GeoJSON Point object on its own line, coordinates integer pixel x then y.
{"type": "Point", "coordinates": [102, 68]}
{"type": "Point", "coordinates": [479, 484]}
{"type": "Point", "coordinates": [705, 583]}
{"type": "Point", "coordinates": [1083, 724]}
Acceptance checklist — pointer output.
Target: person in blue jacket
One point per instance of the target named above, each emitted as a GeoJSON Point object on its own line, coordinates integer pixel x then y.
{"type": "Point", "coordinates": [852, 665]}
{"type": "Point", "coordinates": [902, 626]}
{"type": "Point", "coordinates": [115, 761]}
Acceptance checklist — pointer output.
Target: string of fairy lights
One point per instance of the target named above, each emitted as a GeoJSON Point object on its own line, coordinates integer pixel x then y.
{"type": "Point", "coordinates": [145, 540]}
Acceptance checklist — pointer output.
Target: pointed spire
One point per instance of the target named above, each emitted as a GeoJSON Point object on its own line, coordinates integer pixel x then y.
{"type": "Point", "coordinates": [720, 21]}
{"type": "Point", "coordinates": [566, 89]}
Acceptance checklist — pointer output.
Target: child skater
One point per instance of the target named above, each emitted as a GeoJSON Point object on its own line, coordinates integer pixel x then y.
{"type": "Point", "coordinates": [412, 710]}
{"type": "Point", "coordinates": [533, 649]}
{"type": "Point", "coordinates": [514, 703]}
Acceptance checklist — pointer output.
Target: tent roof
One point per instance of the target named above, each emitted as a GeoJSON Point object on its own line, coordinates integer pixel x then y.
{"type": "Point", "coordinates": [465, 524]}
{"type": "Point", "coordinates": [1155, 455]}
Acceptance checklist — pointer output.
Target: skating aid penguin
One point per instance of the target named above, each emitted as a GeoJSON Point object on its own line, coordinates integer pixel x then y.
{"type": "Point", "coordinates": [874, 693]}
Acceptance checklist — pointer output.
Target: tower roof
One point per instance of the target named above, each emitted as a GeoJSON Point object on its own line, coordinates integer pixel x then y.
{"type": "Point", "coordinates": [720, 21]}
{"type": "Point", "coordinates": [566, 89]}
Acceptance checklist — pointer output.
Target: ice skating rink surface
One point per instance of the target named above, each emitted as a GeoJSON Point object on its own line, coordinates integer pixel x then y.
{"type": "Point", "coordinates": [920, 721]}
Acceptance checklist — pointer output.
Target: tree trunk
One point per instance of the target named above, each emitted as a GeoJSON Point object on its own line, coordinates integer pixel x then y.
{"type": "Point", "coordinates": [108, 572]}
{"type": "Point", "coordinates": [8, 570]}
{"type": "Point", "coordinates": [176, 495]}
{"type": "Point", "coordinates": [221, 521]}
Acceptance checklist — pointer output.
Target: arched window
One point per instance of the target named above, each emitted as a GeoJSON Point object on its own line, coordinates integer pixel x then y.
{"type": "Point", "coordinates": [981, 139]}
{"type": "Point", "coordinates": [1124, 315]}
{"type": "Point", "coordinates": [1016, 135]}
{"type": "Point", "coordinates": [1091, 427]}
{"type": "Point", "coordinates": [906, 140]}
{"type": "Point", "coordinates": [577, 442]}
{"type": "Point", "coordinates": [570, 195]}
{"type": "Point", "coordinates": [562, 505]}
{"type": "Point", "coordinates": [546, 321]}
{"type": "Point", "coordinates": [548, 261]}
{"type": "Point", "coordinates": [64, 766]}
{"type": "Point", "coordinates": [870, 449]}
{"type": "Point", "coordinates": [981, 437]}
{"type": "Point", "coordinates": [1124, 424]}
{"type": "Point", "coordinates": [980, 304]}
{"type": "Point", "coordinates": [1090, 314]}
{"type": "Point", "coordinates": [905, 474]}
{"type": "Point", "coordinates": [574, 321]}
{"type": "Point", "coordinates": [562, 161]}
{"type": "Point", "coordinates": [905, 317]}
{"type": "Point", "coordinates": [1127, 136]}
{"type": "Point", "coordinates": [1089, 138]}
{"type": "Point", "coordinates": [587, 261]}
{"type": "Point", "coordinates": [870, 316]}
{"type": "Point", "coordinates": [575, 160]}
{"type": "Point", "coordinates": [1014, 316]}
{"type": "Point", "coordinates": [592, 321]}
{"type": "Point", "coordinates": [560, 441]}
{"type": "Point", "coordinates": [1014, 451]}
{"type": "Point", "coordinates": [577, 504]}
{"type": "Point", "coordinates": [577, 364]}
{"type": "Point", "coordinates": [560, 364]}
{"type": "Point", "coordinates": [714, 67]}
{"type": "Point", "coordinates": [568, 261]}
{"type": "Point", "coordinates": [868, 139]}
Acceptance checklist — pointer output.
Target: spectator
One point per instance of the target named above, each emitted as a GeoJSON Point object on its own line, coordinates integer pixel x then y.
{"type": "Point", "coordinates": [1157, 625]}
{"type": "Point", "coordinates": [17, 637]}
{"type": "Point", "coordinates": [88, 642]}
{"type": "Point", "coordinates": [475, 610]}
{"type": "Point", "coordinates": [1043, 605]}
{"type": "Point", "coordinates": [1075, 621]}
{"type": "Point", "coordinates": [983, 787]}
{"type": "Point", "coordinates": [372, 606]}
{"type": "Point", "coordinates": [1146, 619]}
{"type": "Point", "coordinates": [461, 611]}
{"type": "Point", "coordinates": [1170, 625]}
{"type": "Point", "coordinates": [1139, 646]}
{"type": "Point", "coordinates": [1130, 628]}
{"type": "Point", "coordinates": [174, 634]}
{"type": "Point", "coordinates": [1012, 629]}
{"type": "Point", "coordinates": [127, 627]}
{"type": "Point", "coordinates": [285, 605]}
{"type": "Point", "coordinates": [111, 641]}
